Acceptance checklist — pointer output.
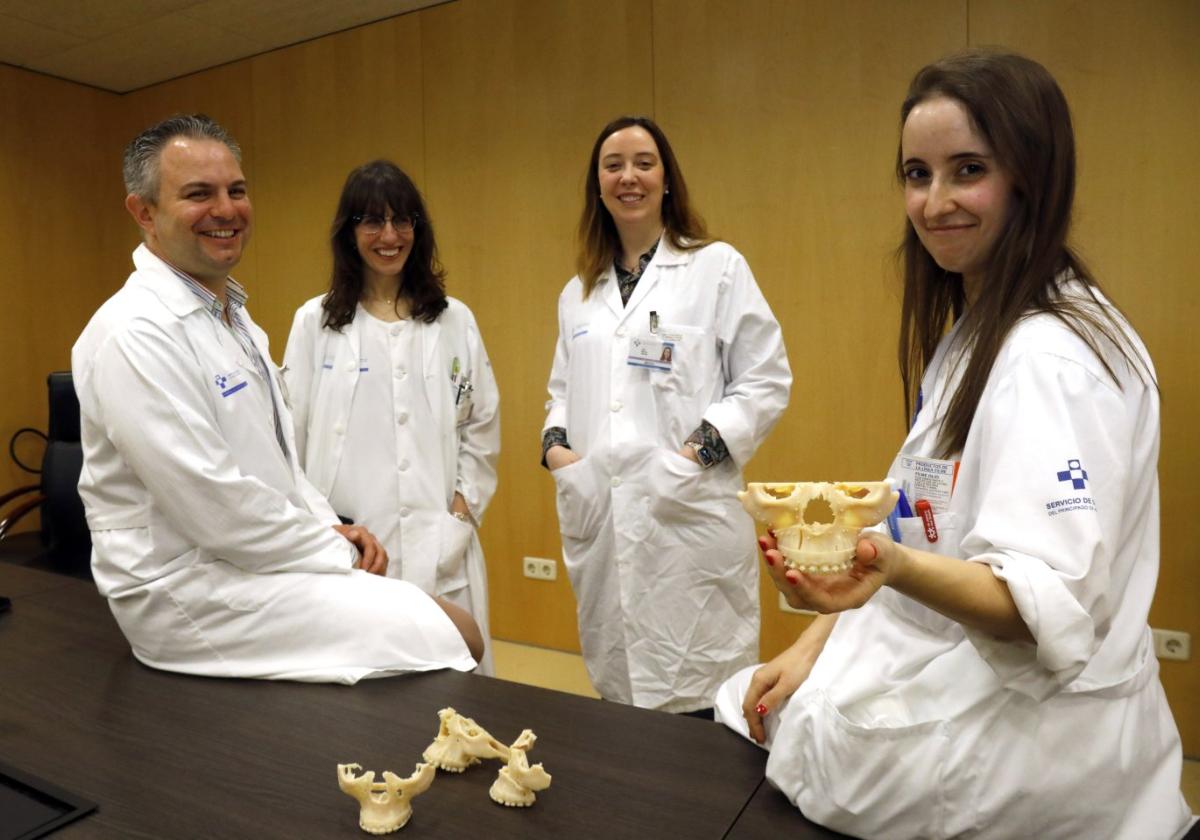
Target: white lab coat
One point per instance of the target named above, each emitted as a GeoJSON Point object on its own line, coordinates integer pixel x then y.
{"type": "Point", "coordinates": [215, 553]}
{"type": "Point", "coordinates": [914, 726]}
{"type": "Point", "coordinates": [659, 552]}
{"type": "Point", "coordinates": [428, 546]}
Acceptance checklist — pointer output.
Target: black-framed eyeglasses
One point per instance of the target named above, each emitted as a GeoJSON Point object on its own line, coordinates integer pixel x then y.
{"type": "Point", "coordinates": [373, 225]}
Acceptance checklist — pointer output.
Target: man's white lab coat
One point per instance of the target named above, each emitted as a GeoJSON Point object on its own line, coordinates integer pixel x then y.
{"type": "Point", "coordinates": [215, 553]}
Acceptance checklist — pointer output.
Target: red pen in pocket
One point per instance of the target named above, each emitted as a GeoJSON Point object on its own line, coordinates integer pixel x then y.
{"type": "Point", "coordinates": [925, 511]}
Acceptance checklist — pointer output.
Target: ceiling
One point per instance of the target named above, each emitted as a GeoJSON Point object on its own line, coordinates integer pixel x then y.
{"type": "Point", "coordinates": [123, 45]}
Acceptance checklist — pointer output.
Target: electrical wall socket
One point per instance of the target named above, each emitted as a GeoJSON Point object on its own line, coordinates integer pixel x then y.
{"type": "Point", "coordinates": [783, 606]}
{"type": "Point", "coordinates": [539, 568]}
{"type": "Point", "coordinates": [1172, 644]}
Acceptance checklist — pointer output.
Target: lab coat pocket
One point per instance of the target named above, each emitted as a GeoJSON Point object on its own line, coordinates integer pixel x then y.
{"type": "Point", "coordinates": [462, 408]}
{"type": "Point", "coordinates": [452, 559]}
{"type": "Point", "coordinates": [913, 535]}
{"type": "Point", "coordinates": [869, 779]}
{"type": "Point", "coordinates": [578, 499]}
{"type": "Point", "coordinates": [692, 356]}
{"type": "Point", "coordinates": [684, 493]}
{"type": "Point", "coordinates": [238, 590]}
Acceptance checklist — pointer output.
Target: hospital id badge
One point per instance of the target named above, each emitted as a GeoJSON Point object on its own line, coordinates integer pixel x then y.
{"type": "Point", "coordinates": [655, 352]}
{"type": "Point", "coordinates": [928, 479]}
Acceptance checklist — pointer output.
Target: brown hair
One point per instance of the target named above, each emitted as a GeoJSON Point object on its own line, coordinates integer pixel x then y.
{"type": "Point", "coordinates": [371, 190]}
{"type": "Point", "coordinates": [1016, 105]}
{"type": "Point", "coordinates": [598, 241]}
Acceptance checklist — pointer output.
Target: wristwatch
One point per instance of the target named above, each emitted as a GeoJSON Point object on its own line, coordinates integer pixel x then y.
{"type": "Point", "coordinates": [461, 517]}
{"type": "Point", "coordinates": [703, 454]}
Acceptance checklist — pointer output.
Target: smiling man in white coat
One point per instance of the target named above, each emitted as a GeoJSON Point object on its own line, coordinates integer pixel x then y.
{"type": "Point", "coordinates": [216, 554]}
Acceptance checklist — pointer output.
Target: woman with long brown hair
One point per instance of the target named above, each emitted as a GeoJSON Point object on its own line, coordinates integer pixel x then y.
{"type": "Point", "coordinates": [395, 406]}
{"type": "Point", "coordinates": [990, 674]}
{"type": "Point", "coordinates": [668, 373]}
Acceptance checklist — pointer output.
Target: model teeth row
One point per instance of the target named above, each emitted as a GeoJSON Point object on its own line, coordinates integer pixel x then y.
{"type": "Point", "coordinates": [822, 568]}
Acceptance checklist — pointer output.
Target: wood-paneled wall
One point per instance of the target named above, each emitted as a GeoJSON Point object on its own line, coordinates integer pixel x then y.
{"type": "Point", "coordinates": [784, 117]}
{"type": "Point", "coordinates": [60, 177]}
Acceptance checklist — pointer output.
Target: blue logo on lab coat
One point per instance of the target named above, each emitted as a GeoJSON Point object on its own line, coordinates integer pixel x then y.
{"type": "Point", "coordinates": [229, 383]}
{"type": "Point", "coordinates": [1075, 474]}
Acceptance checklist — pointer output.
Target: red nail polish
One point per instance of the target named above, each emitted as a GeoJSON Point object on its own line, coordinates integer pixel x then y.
{"type": "Point", "coordinates": [770, 560]}
{"type": "Point", "coordinates": [761, 710]}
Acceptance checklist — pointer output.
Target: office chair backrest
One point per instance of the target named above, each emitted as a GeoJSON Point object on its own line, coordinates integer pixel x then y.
{"type": "Point", "coordinates": [64, 526]}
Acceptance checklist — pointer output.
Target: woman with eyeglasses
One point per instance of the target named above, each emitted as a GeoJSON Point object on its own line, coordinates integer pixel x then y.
{"type": "Point", "coordinates": [395, 405]}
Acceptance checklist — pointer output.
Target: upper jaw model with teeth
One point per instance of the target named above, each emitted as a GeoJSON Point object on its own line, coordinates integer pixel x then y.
{"type": "Point", "coordinates": [385, 806]}
{"type": "Point", "coordinates": [517, 784]}
{"type": "Point", "coordinates": [816, 523]}
{"type": "Point", "coordinates": [461, 742]}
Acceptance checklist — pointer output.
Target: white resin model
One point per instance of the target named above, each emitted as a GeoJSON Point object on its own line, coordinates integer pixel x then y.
{"type": "Point", "coordinates": [385, 806]}
{"type": "Point", "coordinates": [461, 742]}
{"type": "Point", "coordinates": [516, 784]}
{"type": "Point", "coordinates": [816, 523]}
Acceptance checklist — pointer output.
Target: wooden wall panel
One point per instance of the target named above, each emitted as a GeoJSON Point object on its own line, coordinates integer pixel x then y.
{"type": "Point", "coordinates": [1132, 75]}
{"type": "Point", "coordinates": [515, 93]}
{"type": "Point", "coordinates": [320, 109]}
{"type": "Point", "coordinates": [785, 119]}
{"type": "Point", "coordinates": [58, 170]}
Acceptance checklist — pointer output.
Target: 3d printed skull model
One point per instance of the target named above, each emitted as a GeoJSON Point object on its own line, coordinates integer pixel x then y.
{"type": "Point", "coordinates": [516, 783]}
{"type": "Point", "coordinates": [816, 523]}
{"type": "Point", "coordinates": [461, 742]}
{"type": "Point", "coordinates": [385, 806]}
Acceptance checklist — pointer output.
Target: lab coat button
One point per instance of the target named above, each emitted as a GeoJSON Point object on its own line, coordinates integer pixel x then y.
{"type": "Point", "coordinates": [402, 418]}
{"type": "Point", "coordinates": [405, 511]}
{"type": "Point", "coordinates": [351, 366]}
{"type": "Point", "coordinates": [621, 332]}
{"type": "Point", "coordinates": [615, 405]}
{"type": "Point", "coordinates": [339, 429]}
{"type": "Point", "coordinates": [396, 329]}
{"type": "Point", "coordinates": [403, 465]}
{"type": "Point", "coordinates": [616, 481]}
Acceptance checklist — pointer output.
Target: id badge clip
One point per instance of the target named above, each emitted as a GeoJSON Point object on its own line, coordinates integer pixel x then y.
{"type": "Point", "coordinates": [654, 350]}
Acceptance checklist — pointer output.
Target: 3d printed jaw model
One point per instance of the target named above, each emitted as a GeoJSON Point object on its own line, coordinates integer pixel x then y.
{"type": "Point", "coordinates": [461, 742]}
{"type": "Point", "coordinates": [384, 806]}
{"type": "Point", "coordinates": [816, 523]}
{"type": "Point", "coordinates": [516, 784]}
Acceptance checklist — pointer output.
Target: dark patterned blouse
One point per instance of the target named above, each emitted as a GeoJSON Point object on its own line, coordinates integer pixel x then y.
{"type": "Point", "coordinates": [706, 433]}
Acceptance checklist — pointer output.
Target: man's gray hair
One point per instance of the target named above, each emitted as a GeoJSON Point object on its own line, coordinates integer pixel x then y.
{"type": "Point", "coordinates": [142, 155]}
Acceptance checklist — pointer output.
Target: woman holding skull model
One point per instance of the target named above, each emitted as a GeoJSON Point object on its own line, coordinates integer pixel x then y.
{"type": "Point", "coordinates": [991, 673]}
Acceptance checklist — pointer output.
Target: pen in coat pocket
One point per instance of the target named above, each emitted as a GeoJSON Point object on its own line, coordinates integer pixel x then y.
{"type": "Point", "coordinates": [925, 511]}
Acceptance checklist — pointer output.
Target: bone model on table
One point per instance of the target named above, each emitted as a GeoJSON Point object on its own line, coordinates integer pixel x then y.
{"type": "Point", "coordinates": [816, 523]}
{"type": "Point", "coordinates": [384, 806]}
{"type": "Point", "coordinates": [461, 742]}
{"type": "Point", "coordinates": [517, 783]}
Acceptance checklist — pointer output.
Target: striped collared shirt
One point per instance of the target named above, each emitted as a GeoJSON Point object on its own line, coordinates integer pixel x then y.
{"type": "Point", "coordinates": [235, 296]}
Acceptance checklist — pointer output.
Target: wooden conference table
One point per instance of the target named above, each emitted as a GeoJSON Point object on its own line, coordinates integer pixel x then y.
{"type": "Point", "coordinates": [173, 756]}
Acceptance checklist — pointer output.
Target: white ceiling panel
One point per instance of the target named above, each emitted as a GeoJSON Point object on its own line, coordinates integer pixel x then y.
{"type": "Point", "coordinates": [123, 45]}
{"type": "Point", "coordinates": [22, 41]}
{"type": "Point", "coordinates": [88, 19]}
{"type": "Point", "coordinates": [275, 22]}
